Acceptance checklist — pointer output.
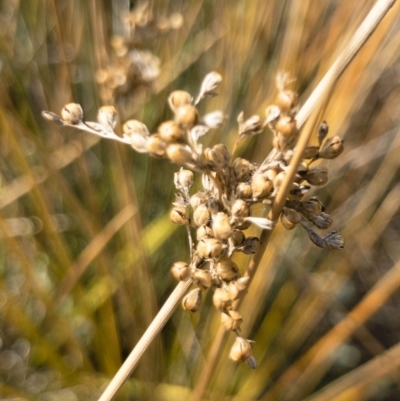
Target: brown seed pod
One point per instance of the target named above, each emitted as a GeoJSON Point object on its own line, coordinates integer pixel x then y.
{"type": "Point", "coordinates": [240, 208]}
{"type": "Point", "coordinates": [241, 350]}
{"type": "Point", "coordinates": [250, 245]}
{"type": "Point", "coordinates": [171, 132]}
{"type": "Point", "coordinates": [241, 168]}
{"type": "Point", "coordinates": [332, 148]}
{"type": "Point", "coordinates": [244, 190]}
{"type": "Point", "coordinates": [323, 130]}
{"type": "Point", "coordinates": [310, 152]}
{"type": "Point", "coordinates": [217, 157]}
{"type": "Point", "coordinates": [181, 271]}
{"type": "Point", "coordinates": [179, 154]}
{"type": "Point", "coordinates": [179, 215]}
{"type": "Point", "coordinates": [286, 126]}
{"type": "Point", "coordinates": [317, 175]}
{"type": "Point", "coordinates": [204, 232]}
{"type": "Point", "coordinates": [210, 248]}
{"type": "Point", "coordinates": [221, 226]}
{"type": "Point", "coordinates": [192, 300]}
{"type": "Point", "coordinates": [227, 269]}
{"type": "Point", "coordinates": [135, 127]}
{"type": "Point", "coordinates": [237, 238]}
{"type": "Point", "coordinates": [221, 299]}
{"type": "Point", "coordinates": [290, 218]}
{"type": "Point", "coordinates": [178, 99]}
{"type": "Point", "coordinates": [200, 198]}
{"type": "Point", "coordinates": [72, 113]}
{"type": "Point", "coordinates": [156, 146]}
{"type": "Point", "coordinates": [286, 100]}
{"type": "Point", "coordinates": [201, 216]}
{"type": "Point", "coordinates": [322, 220]}
{"type": "Point", "coordinates": [203, 278]}
{"type": "Point", "coordinates": [231, 320]}
{"type": "Point", "coordinates": [186, 116]}
{"type": "Point", "coordinates": [260, 186]}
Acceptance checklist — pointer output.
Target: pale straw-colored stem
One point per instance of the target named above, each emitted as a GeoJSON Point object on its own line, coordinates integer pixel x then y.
{"type": "Point", "coordinates": [155, 327]}
{"type": "Point", "coordinates": [313, 102]}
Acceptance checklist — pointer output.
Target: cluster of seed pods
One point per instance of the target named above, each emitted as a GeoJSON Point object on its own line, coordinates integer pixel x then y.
{"type": "Point", "coordinates": [217, 215]}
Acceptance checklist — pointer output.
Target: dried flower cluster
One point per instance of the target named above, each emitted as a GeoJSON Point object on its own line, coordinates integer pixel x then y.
{"type": "Point", "coordinates": [132, 64]}
{"type": "Point", "coordinates": [221, 211]}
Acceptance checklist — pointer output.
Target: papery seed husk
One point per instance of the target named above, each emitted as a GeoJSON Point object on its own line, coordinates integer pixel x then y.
{"type": "Point", "coordinates": [286, 100]}
{"type": "Point", "coordinates": [334, 240]}
{"type": "Point", "coordinates": [135, 127]}
{"type": "Point", "coordinates": [272, 114]}
{"type": "Point", "coordinates": [241, 350]}
{"type": "Point", "coordinates": [178, 99]}
{"type": "Point", "coordinates": [200, 198]}
{"type": "Point", "coordinates": [204, 232]}
{"type": "Point", "coordinates": [201, 215]}
{"type": "Point", "coordinates": [179, 215]}
{"type": "Point", "coordinates": [171, 132]}
{"type": "Point", "coordinates": [323, 130]}
{"type": "Point", "coordinates": [192, 300]}
{"type": "Point", "coordinates": [237, 238]}
{"type": "Point", "coordinates": [181, 271]}
{"type": "Point", "coordinates": [107, 116]}
{"type": "Point", "coordinates": [286, 126]}
{"type": "Point", "coordinates": [322, 221]}
{"type": "Point", "coordinates": [72, 113]}
{"type": "Point", "coordinates": [317, 175]}
{"type": "Point", "coordinates": [240, 208]}
{"type": "Point", "coordinates": [221, 226]}
{"type": "Point", "coordinates": [185, 178]}
{"type": "Point", "coordinates": [240, 168]}
{"type": "Point", "coordinates": [221, 299]}
{"type": "Point", "coordinates": [203, 277]}
{"type": "Point", "coordinates": [214, 119]}
{"type": "Point", "coordinates": [227, 269]}
{"type": "Point", "coordinates": [244, 190]}
{"type": "Point", "coordinates": [332, 148]}
{"type": "Point", "coordinates": [231, 320]}
{"type": "Point", "coordinates": [210, 248]}
{"type": "Point", "coordinates": [290, 218]}
{"type": "Point", "coordinates": [250, 246]}
{"type": "Point", "coordinates": [313, 206]}
{"type": "Point", "coordinates": [279, 179]}
{"type": "Point", "coordinates": [260, 186]}
{"type": "Point", "coordinates": [187, 116]}
{"type": "Point", "coordinates": [179, 154]}
{"type": "Point", "coordinates": [52, 117]}
{"type": "Point", "coordinates": [310, 152]}
{"type": "Point", "coordinates": [156, 146]}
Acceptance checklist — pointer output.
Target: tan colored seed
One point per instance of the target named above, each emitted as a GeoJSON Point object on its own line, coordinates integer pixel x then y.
{"type": "Point", "coordinates": [72, 113]}
{"type": "Point", "coordinates": [181, 271]}
{"type": "Point", "coordinates": [179, 215]}
{"type": "Point", "coordinates": [187, 116]}
{"type": "Point", "coordinates": [192, 300]}
{"type": "Point", "coordinates": [241, 350]}
{"type": "Point", "coordinates": [221, 226]}
{"type": "Point", "coordinates": [171, 132]}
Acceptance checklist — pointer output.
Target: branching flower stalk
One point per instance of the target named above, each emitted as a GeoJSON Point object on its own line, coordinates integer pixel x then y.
{"type": "Point", "coordinates": [221, 211]}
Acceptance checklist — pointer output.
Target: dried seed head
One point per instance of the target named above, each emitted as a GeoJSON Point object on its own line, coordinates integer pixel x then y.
{"type": "Point", "coordinates": [72, 113]}
{"type": "Point", "coordinates": [260, 186]}
{"type": "Point", "coordinates": [241, 350]}
{"type": "Point", "coordinates": [227, 269]}
{"type": "Point", "coordinates": [272, 113]}
{"type": "Point", "coordinates": [240, 209]}
{"type": "Point", "coordinates": [244, 190]}
{"type": "Point", "coordinates": [156, 146]}
{"type": "Point", "coordinates": [286, 125]}
{"type": "Point", "coordinates": [231, 320]}
{"type": "Point", "coordinates": [286, 100]}
{"type": "Point", "coordinates": [210, 248]}
{"type": "Point", "coordinates": [183, 180]}
{"type": "Point", "coordinates": [135, 127]}
{"type": "Point", "coordinates": [290, 218]}
{"type": "Point", "coordinates": [334, 240]}
{"type": "Point", "coordinates": [171, 132]}
{"type": "Point", "coordinates": [332, 148]}
{"type": "Point", "coordinates": [221, 226]}
{"type": "Point", "coordinates": [201, 216]}
{"type": "Point", "coordinates": [179, 215]}
{"type": "Point", "coordinates": [179, 154]}
{"type": "Point", "coordinates": [214, 119]}
{"type": "Point", "coordinates": [221, 299]}
{"type": "Point", "coordinates": [203, 278]}
{"type": "Point", "coordinates": [192, 300]}
{"type": "Point", "coordinates": [186, 116]}
{"type": "Point", "coordinates": [252, 126]}
{"type": "Point", "coordinates": [317, 175]}
{"type": "Point", "coordinates": [323, 130]}
{"type": "Point", "coordinates": [107, 117]}
{"type": "Point", "coordinates": [241, 168]}
{"type": "Point", "coordinates": [178, 99]}
{"type": "Point", "coordinates": [181, 271]}
{"type": "Point", "coordinates": [200, 198]}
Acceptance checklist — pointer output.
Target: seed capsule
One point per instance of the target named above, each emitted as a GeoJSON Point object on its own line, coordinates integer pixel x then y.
{"type": "Point", "coordinates": [286, 126]}
{"type": "Point", "coordinates": [231, 320]}
{"type": "Point", "coordinates": [240, 208]}
{"type": "Point", "coordinates": [214, 119]}
{"type": "Point", "coordinates": [322, 131]}
{"type": "Point", "coordinates": [250, 245]}
{"type": "Point", "coordinates": [272, 114]}
{"type": "Point", "coordinates": [179, 154]}
{"type": "Point", "coordinates": [171, 132]}
{"type": "Point", "coordinates": [227, 270]}
{"type": "Point", "coordinates": [203, 278]}
{"type": "Point", "coordinates": [312, 206]}
{"type": "Point", "coordinates": [290, 218]}
{"type": "Point", "coordinates": [210, 82]}
{"type": "Point", "coordinates": [186, 116]}
{"type": "Point", "coordinates": [317, 175]}
{"type": "Point", "coordinates": [201, 216]}
{"type": "Point", "coordinates": [183, 179]}
{"type": "Point", "coordinates": [210, 248]}
{"type": "Point", "coordinates": [181, 271]}
{"type": "Point", "coordinates": [221, 299]}
{"type": "Point", "coordinates": [260, 186]}
{"type": "Point", "coordinates": [334, 240]}
{"type": "Point", "coordinates": [200, 198]}
{"type": "Point", "coordinates": [286, 100]}
{"type": "Point", "coordinates": [72, 113]}
{"type": "Point", "coordinates": [241, 350]}
{"type": "Point", "coordinates": [204, 232]}
{"type": "Point", "coordinates": [178, 99]}
{"type": "Point", "coordinates": [332, 148]}
{"type": "Point", "coordinates": [221, 226]}
{"type": "Point", "coordinates": [192, 300]}
{"type": "Point", "coordinates": [310, 152]}
{"type": "Point", "coordinates": [135, 127]}
{"type": "Point", "coordinates": [237, 238]}
{"type": "Point", "coordinates": [217, 157]}
{"type": "Point", "coordinates": [156, 146]}
{"type": "Point", "coordinates": [240, 168]}
{"type": "Point", "coordinates": [244, 190]}
{"type": "Point", "coordinates": [179, 215]}
{"type": "Point", "coordinates": [107, 117]}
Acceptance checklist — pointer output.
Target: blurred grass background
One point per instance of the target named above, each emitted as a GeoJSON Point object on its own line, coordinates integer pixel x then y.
{"type": "Point", "coordinates": [86, 243]}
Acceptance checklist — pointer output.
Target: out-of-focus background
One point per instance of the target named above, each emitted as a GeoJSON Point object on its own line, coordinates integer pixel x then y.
{"type": "Point", "coordinates": [85, 238]}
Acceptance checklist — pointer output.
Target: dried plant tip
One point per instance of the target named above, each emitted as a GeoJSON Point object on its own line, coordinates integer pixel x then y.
{"type": "Point", "coordinates": [135, 127]}
{"type": "Point", "coordinates": [203, 278]}
{"type": "Point", "coordinates": [179, 215]}
{"type": "Point", "coordinates": [215, 119]}
{"type": "Point", "coordinates": [72, 113]}
{"type": "Point", "coordinates": [186, 116]}
{"type": "Point", "coordinates": [210, 83]}
{"type": "Point", "coordinates": [192, 300]}
{"type": "Point", "coordinates": [178, 99]}
{"type": "Point", "coordinates": [227, 270]}
{"type": "Point", "coordinates": [201, 216]}
{"type": "Point", "coordinates": [323, 130]}
{"type": "Point", "coordinates": [290, 218]}
{"type": "Point", "coordinates": [317, 175]}
{"type": "Point", "coordinates": [221, 299]}
{"type": "Point", "coordinates": [272, 113]}
{"type": "Point", "coordinates": [332, 148]}
{"type": "Point", "coordinates": [221, 226]}
{"type": "Point", "coordinates": [260, 186]}
{"type": "Point", "coordinates": [334, 240]}
{"type": "Point", "coordinates": [179, 154]}
{"type": "Point", "coordinates": [241, 350]}
{"type": "Point", "coordinates": [231, 320]}
{"type": "Point", "coordinates": [52, 117]}
{"type": "Point", "coordinates": [156, 146]}
{"type": "Point", "coordinates": [171, 132]}
{"type": "Point", "coordinates": [252, 126]}
{"type": "Point", "coordinates": [181, 271]}
{"type": "Point", "coordinates": [107, 117]}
